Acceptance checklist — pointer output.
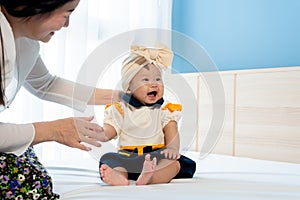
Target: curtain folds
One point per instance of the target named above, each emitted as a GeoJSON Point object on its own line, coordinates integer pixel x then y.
{"type": "Point", "coordinates": [93, 22]}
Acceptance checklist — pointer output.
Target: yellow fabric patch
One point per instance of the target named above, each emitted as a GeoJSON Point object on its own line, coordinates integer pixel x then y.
{"type": "Point", "coordinates": [141, 148]}
{"type": "Point", "coordinates": [117, 106]}
{"type": "Point", "coordinates": [172, 107]}
{"type": "Point", "coordinates": [124, 153]}
{"type": "Point", "coordinates": [107, 105]}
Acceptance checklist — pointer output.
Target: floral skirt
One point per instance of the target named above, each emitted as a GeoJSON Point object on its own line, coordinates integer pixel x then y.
{"type": "Point", "coordinates": [24, 177]}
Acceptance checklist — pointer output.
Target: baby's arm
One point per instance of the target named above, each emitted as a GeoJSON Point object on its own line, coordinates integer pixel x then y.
{"type": "Point", "coordinates": [109, 131]}
{"type": "Point", "coordinates": [172, 141]}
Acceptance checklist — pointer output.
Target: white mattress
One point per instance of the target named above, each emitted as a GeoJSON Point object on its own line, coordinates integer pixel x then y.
{"type": "Point", "coordinates": [217, 177]}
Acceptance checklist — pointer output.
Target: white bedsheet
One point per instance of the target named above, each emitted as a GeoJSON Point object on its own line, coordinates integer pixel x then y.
{"type": "Point", "coordinates": [217, 177]}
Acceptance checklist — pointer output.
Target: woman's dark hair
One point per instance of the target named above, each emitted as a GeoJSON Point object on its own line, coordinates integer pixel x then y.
{"type": "Point", "coordinates": [23, 9]}
{"type": "Point", "coordinates": [28, 8]}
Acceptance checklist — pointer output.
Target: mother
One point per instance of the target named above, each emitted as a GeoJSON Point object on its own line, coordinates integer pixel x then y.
{"type": "Point", "coordinates": [23, 23]}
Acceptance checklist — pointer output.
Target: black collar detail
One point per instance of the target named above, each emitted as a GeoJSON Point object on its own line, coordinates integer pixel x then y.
{"type": "Point", "coordinates": [135, 103]}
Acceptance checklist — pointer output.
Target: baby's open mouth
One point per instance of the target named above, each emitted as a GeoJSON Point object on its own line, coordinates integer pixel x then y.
{"type": "Point", "coordinates": [153, 93]}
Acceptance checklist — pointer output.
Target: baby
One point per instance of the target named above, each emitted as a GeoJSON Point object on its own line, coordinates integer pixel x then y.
{"type": "Point", "coordinates": [145, 125]}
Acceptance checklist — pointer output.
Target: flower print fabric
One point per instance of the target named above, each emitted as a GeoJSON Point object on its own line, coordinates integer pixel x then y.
{"type": "Point", "coordinates": [24, 177]}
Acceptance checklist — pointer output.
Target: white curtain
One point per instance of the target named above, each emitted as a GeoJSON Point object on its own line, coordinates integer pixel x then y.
{"type": "Point", "coordinates": [93, 22]}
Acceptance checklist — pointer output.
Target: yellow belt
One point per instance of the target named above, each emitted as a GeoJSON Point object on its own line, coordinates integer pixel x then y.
{"type": "Point", "coordinates": [140, 149]}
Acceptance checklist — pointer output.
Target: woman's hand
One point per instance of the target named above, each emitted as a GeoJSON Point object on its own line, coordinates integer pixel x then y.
{"type": "Point", "coordinates": [70, 132]}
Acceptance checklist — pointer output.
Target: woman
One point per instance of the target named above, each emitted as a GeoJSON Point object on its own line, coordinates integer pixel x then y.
{"type": "Point", "coordinates": [23, 24]}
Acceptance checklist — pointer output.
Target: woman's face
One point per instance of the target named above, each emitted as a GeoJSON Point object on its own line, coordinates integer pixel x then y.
{"type": "Point", "coordinates": [42, 27]}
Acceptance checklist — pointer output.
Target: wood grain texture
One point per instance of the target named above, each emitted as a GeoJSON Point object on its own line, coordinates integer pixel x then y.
{"type": "Point", "coordinates": [262, 113]}
{"type": "Point", "coordinates": [268, 116]}
{"type": "Point", "coordinates": [222, 139]}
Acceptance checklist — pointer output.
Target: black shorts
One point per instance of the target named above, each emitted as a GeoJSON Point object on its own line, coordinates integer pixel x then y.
{"type": "Point", "coordinates": [133, 162]}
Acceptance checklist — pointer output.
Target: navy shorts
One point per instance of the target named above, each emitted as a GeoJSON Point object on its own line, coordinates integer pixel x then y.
{"type": "Point", "coordinates": [133, 162]}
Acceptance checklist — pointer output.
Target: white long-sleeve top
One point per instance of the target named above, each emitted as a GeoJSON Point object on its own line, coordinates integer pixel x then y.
{"type": "Point", "coordinates": [24, 67]}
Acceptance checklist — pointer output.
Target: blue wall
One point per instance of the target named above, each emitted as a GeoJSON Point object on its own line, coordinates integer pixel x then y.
{"type": "Point", "coordinates": [241, 34]}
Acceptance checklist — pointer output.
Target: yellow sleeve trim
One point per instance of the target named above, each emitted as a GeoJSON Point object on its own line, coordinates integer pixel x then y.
{"type": "Point", "coordinates": [172, 107]}
{"type": "Point", "coordinates": [107, 105]}
{"type": "Point", "coordinates": [117, 106]}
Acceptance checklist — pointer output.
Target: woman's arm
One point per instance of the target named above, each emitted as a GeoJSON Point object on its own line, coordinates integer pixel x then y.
{"type": "Point", "coordinates": [34, 76]}
{"type": "Point", "coordinates": [104, 96]}
{"type": "Point", "coordinates": [70, 132]}
{"type": "Point", "coordinates": [42, 84]}
{"type": "Point", "coordinates": [15, 138]}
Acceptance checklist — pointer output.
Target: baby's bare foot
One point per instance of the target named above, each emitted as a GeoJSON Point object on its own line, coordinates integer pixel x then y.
{"type": "Point", "coordinates": [147, 172]}
{"type": "Point", "coordinates": [112, 177]}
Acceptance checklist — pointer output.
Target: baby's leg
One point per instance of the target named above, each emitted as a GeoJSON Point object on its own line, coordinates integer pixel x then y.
{"type": "Point", "coordinates": [147, 172]}
{"type": "Point", "coordinates": [115, 176]}
{"type": "Point", "coordinates": [165, 171]}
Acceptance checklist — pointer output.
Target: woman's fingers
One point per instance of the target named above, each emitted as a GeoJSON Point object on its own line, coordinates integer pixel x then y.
{"type": "Point", "coordinates": [90, 132]}
{"type": "Point", "coordinates": [91, 142]}
{"type": "Point", "coordinates": [95, 135]}
{"type": "Point", "coordinates": [73, 131]}
{"type": "Point", "coordinates": [86, 122]}
{"type": "Point", "coordinates": [81, 146]}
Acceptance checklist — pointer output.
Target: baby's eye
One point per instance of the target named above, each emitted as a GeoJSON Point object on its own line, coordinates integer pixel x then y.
{"type": "Point", "coordinates": [145, 79]}
{"type": "Point", "coordinates": [158, 79]}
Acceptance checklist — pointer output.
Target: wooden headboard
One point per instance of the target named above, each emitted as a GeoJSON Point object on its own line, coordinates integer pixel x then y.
{"type": "Point", "coordinates": [262, 113]}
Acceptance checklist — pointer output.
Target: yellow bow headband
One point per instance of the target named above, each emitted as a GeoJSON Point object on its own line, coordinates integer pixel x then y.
{"type": "Point", "coordinates": [141, 56]}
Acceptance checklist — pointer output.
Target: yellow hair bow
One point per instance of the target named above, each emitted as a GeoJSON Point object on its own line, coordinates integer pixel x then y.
{"type": "Point", "coordinates": [159, 56]}
{"type": "Point", "coordinates": [139, 57]}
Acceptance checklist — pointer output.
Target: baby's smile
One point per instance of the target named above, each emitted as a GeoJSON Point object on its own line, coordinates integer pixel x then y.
{"type": "Point", "coordinates": [153, 93]}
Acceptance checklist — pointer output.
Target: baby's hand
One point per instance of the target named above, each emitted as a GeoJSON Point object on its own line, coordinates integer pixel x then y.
{"type": "Point", "coordinates": [172, 154]}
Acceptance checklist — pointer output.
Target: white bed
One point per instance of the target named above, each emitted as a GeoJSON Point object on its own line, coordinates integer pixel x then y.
{"type": "Point", "coordinates": [217, 177]}
{"type": "Point", "coordinates": [256, 157]}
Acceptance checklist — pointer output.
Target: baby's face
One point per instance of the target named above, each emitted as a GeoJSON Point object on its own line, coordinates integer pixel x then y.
{"type": "Point", "coordinates": [147, 85]}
